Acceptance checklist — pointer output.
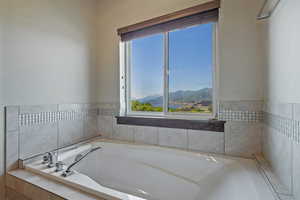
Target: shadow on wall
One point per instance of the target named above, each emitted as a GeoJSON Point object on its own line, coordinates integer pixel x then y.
{"type": "Point", "coordinates": [2, 145]}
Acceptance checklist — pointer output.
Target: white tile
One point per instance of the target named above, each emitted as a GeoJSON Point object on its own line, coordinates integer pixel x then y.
{"type": "Point", "coordinates": [279, 108]}
{"type": "Point", "coordinates": [277, 149]}
{"type": "Point", "coordinates": [243, 139]}
{"type": "Point", "coordinates": [206, 141]}
{"type": "Point", "coordinates": [296, 112]}
{"type": "Point", "coordinates": [172, 137]}
{"type": "Point", "coordinates": [12, 118]}
{"type": "Point", "coordinates": [12, 150]}
{"type": "Point", "coordinates": [122, 132]}
{"type": "Point", "coordinates": [37, 139]}
{"type": "Point", "coordinates": [105, 126]}
{"type": "Point", "coordinates": [90, 127]}
{"type": "Point", "coordinates": [296, 170]}
{"type": "Point", "coordinates": [146, 135]}
{"type": "Point", "coordinates": [70, 132]}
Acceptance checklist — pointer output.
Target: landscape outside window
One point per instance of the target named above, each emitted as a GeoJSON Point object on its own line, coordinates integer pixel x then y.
{"type": "Point", "coordinates": [190, 76]}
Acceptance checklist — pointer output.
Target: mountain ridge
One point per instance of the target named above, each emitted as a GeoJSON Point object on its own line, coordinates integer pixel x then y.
{"type": "Point", "coordinates": [181, 96]}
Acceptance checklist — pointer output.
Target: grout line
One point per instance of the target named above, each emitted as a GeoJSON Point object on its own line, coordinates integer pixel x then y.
{"type": "Point", "coordinates": [266, 178]}
{"type": "Point", "coordinates": [187, 139]}
{"type": "Point", "coordinates": [58, 133]}
{"type": "Point", "coordinates": [292, 149]}
{"type": "Point", "coordinates": [292, 167]}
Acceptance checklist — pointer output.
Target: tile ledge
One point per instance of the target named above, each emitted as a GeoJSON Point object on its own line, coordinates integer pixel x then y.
{"type": "Point", "coordinates": [65, 192]}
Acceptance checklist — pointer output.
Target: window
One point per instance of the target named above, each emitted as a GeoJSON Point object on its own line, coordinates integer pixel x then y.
{"type": "Point", "coordinates": [169, 64]}
{"type": "Point", "coordinates": [171, 73]}
{"type": "Point", "coordinates": [191, 70]}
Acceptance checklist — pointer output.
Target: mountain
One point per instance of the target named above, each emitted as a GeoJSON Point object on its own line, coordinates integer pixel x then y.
{"type": "Point", "coordinates": [187, 96]}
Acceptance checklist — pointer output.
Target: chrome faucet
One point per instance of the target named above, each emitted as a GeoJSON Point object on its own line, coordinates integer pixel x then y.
{"type": "Point", "coordinates": [59, 166]}
{"type": "Point", "coordinates": [49, 158]}
{"type": "Point", "coordinates": [78, 158]}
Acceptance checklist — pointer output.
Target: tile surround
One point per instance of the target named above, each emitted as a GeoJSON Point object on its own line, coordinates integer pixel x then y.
{"type": "Point", "coordinates": [37, 139]}
{"type": "Point", "coordinates": [247, 114]}
{"type": "Point", "coordinates": [36, 187]}
{"type": "Point", "coordinates": [296, 171]}
{"type": "Point", "coordinates": [32, 130]}
{"type": "Point", "coordinates": [105, 126]}
{"type": "Point", "coordinates": [90, 127]}
{"type": "Point", "coordinates": [206, 141]}
{"type": "Point", "coordinates": [245, 111]}
{"type": "Point", "coordinates": [281, 140]}
{"type": "Point", "coordinates": [172, 137]}
{"type": "Point", "coordinates": [76, 122]}
{"type": "Point", "coordinates": [70, 132]}
{"type": "Point", "coordinates": [70, 123]}
{"type": "Point", "coordinates": [12, 113]}
{"type": "Point", "coordinates": [278, 151]}
{"type": "Point", "coordinates": [12, 150]}
{"type": "Point", "coordinates": [286, 126]}
{"type": "Point", "coordinates": [146, 135]}
{"type": "Point", "coordinates": [243, 128]}
{"type": "Point", "coordinates": [122, 132]}
{"type": "Point", "coordinates": [243, 139]}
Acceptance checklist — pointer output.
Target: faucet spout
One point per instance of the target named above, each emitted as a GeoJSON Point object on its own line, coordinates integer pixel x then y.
{"type": "Point", "coordinates": [78, 158]}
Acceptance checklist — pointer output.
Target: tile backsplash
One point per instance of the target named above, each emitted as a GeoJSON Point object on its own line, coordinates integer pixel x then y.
{"type": "Point", "coordinates": [242, 136]}
{"type": "Point", "coordinates": [281, 144]}
{"type": "Point", "coordinates": [242, 111]}
{"type": "Point", "coordinates": [31, 130]}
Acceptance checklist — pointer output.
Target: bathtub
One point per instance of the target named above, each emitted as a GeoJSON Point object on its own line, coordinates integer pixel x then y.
{"type": "Point", "coordinates": [137, 172]}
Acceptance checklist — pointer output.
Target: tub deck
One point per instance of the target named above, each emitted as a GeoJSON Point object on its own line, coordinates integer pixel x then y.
{"type": "Point", "coordinates": [136, 172]}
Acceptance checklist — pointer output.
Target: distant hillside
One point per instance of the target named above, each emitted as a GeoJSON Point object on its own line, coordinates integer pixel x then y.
{"type": "Point", "coordinates": [180, 96]}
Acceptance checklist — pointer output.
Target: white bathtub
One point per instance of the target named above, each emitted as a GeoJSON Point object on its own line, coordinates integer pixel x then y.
{"type": "Point", "coordinates": [136, 172]}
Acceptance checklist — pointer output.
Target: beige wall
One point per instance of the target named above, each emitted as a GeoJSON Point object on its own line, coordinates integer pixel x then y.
{"type": "Point", "coordinates": [2, 10]}
{"type": "Point", "coordinates": [240, 64]}
{"type": "Point", "coordinates": [49, 53]}
{"type": "Point", "coordinates": [240, 51]}
{"type": "Point", "coordinates": [281, 33]}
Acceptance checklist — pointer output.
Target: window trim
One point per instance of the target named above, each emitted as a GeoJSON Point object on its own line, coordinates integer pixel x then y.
{"type": "Point", "coordinates": [201, 9]}
{"type": "Point", "coordinates": [165, 114]}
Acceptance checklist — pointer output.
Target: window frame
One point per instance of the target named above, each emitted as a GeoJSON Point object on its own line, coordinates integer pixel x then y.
{"type": "Point", "coordinates": [126, 74]}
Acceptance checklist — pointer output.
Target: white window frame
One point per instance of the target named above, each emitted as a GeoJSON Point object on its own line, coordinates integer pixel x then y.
{"type": "Point", "coordinates": [125, 75]}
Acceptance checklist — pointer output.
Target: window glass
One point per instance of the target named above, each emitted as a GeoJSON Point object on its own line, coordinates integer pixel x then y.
{"type": "Point", "coordinates": [189, 83]}
{"type": "Point", "coordinates": [190, 69]}
{"type": "Point", "coordinates": [147, 67]}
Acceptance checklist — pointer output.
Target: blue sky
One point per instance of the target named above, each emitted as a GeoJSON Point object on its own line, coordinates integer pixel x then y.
{"type": "Point", "coordinates": [190, 61]}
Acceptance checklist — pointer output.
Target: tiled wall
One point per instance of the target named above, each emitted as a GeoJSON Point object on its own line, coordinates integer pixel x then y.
{"type": "Point", "coordinates": [281, 145]}
{"type": "Point", "coordinates": [243, 128]}
{"type": "Point", "coordinates": [242, 136]}
{"type": "Point", "coordinates": [32, 130]}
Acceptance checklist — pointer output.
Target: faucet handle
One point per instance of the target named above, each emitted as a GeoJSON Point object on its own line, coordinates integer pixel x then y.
{"type": "Point", "coordinates": [59, 166]}
{"type": "Point", "coordinates": [51, 157]}
{"type": "Point", "coordinates": [45, 159]}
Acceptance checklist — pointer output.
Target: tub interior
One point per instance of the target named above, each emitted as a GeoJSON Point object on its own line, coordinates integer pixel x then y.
{"type": "Point", "coordinates": [156, 173]}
